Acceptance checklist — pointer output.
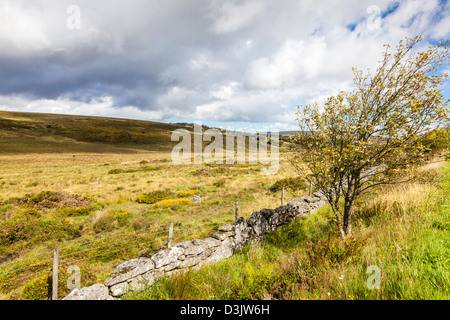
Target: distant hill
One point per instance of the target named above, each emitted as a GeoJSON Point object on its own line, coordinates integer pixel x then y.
{"type": "Point", "coordinates": [22, 132]}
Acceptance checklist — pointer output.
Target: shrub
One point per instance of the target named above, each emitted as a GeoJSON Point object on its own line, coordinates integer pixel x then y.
{"type": "Point", "coordinates": [256, 281]}
{"type": "Point", "coordinates": [110, 220]}
{"type": "Point", "coordinates": [172, 203]}
{"type": "Point", "coordinates": [104, 223]}
{"type": "Point", "coordinates": [155, 196]}
{"type": "Point", "coordinates": [115, 171]}
{"type": "Point", "coordinates": [436, 140]}
{"type": "Point", "coordinates": [296, 183]}
{"type": "Point", "coordinates": [35, 228]}
{"type": "Point", "coordinates": [40, 287]}
{"type": "Point", "coordinates": [333, 251]}
{"type": "Point", "coordinates": [219, 183]}
{"type": "Point", "coordinates": [52, 199]}
{"type": "Point", "coordinates": [189, 193]}
{"type": "Point", "coordinates": [44, 195]}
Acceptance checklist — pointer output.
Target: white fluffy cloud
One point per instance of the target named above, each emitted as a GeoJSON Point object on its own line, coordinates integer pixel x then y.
{"type": "Point", "coordinates": [246, 61]}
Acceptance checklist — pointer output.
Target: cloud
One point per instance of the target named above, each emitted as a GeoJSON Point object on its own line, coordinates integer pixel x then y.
{"type": "Point", "coordinates": [237, 61]}
{"type": "Point", "coordinates": [232, 17]}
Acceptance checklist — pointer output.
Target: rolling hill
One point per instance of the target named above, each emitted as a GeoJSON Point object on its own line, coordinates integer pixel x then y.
{"type": "Point", "coordinates": [22, 132]}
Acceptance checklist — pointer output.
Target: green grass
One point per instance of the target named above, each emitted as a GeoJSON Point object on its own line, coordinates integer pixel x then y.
{"type": "Point", "coordinates": [407, 239]}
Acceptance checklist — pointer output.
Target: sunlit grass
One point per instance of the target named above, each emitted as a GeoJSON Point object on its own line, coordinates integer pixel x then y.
{"type": "Point", "coordinates": [402, 229]}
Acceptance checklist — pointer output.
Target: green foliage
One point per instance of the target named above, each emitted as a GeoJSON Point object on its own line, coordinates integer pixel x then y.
{"type": "Point", "coordinates": [44, 195]}
{"type": "Point", "coordinates": [295, 183]}
{"type": "Point", "coordinates": [155, 196]}
{"type": "Point", "coordinates": [51, 199]}
{"type": "Point", "coordinates": [172, 203]}
{"type": "Point", "coordinates": [40, 287]}
{"type": "Point", "coordinates": [188, 193]}
{"type": "Point", "coordinates": [33, 227]}
{"type": "Point", "coordinates": [436, 140]}
{"type": "Point", "coordinates": [111, 220]}
{"type": "Point", "coordinates": [115, 171]}
{"type": "Point", "coordinates": [334, 251]}
{"type": "Point", "coordinates": [219, 183]}
{"type": "Point", "coordinates": [375, 125]}
{"type": "Point", "coordinates": [256, 281]}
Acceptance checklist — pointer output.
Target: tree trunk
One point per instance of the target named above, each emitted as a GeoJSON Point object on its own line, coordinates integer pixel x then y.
{"type": "Point", "coordinates": [346, 230]}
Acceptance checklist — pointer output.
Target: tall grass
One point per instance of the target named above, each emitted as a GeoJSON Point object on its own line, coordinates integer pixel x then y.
{"type": "Point", "coordinates": [402, 229]}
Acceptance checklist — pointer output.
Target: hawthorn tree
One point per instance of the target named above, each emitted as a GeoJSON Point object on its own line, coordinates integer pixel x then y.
{"type": "Point", "coordinates": [370, 135]}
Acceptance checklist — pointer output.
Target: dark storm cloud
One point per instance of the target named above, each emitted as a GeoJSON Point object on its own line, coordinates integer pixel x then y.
{"type": "Point", "coordinates": [247, 60]}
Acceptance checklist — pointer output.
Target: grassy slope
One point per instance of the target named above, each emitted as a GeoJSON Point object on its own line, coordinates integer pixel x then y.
{"type": "Point", "coordinates": [50, 133]}
{"type": "Point", "coordinates": [32, 162]}
{"type": "Point", "coordinates": [404, 230]}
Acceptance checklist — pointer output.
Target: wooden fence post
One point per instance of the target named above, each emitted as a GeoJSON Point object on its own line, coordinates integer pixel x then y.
{"type": "Point", "coordinates": [282, 196]}
{"type": "Point", "coordinates": [310, 188]}
{"type": "Point", "coordinates": [169, 240]}
{"type": "Point", "coordinates": [55, 272]}
{"type": "Point", "coordinates": [236, 211]}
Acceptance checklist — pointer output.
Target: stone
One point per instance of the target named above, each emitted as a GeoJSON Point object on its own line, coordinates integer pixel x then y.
{"type": "Point", "coordinates": [275, 220]}
{"type": "Point", "coordinates": [299, 206]}
{"type": "Point", "coordinates": [118, 290]}
{"type": "Point", "coordinates": [222, 235]}
{"type": "Point", "coordinates": [225, 250]}
{"type": "Point", "coordinates": [212, 242]}
{"type": "Point", "coordinates": [150, 277]}
{"type": "Point", "coordinates": [184, 244]}
{"type": "Point", "coordinates": [137, 273]}
{"type": "Point", "coordinates": [96, 292]}
{"type": "Point", "coordinates": [193, 248]}
{"type": "Point", "coordinates": [166, 256]}
{"type": "Point", "coordinates": [311, 199]}
{"type": "Point", "coordinates": [226, 228]}
{"type": "Point", "coordinates": [196, 260]}
{"type": "Point", "coordinates": [258, 223]}
{"type": "Point", "coordinates": [136, 283]}
{"type": "Point", "coordinates": [198, 246]}
{"type": "Point", "coordinates": [240, 233]}
{"type": "Point", "coordinates": [130, 269]}
{"type": "Point", "coordinates": [171, 266]}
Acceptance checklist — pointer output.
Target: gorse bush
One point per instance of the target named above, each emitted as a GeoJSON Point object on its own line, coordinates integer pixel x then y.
{"type": "Point", "coordinates": [40, 287]}
{"type": "Point", "coordinates": [188, 193]}
{"type": "Point", "coordinates": [172, 203]}
{"type": "Point", "coordinates": [155, 196]}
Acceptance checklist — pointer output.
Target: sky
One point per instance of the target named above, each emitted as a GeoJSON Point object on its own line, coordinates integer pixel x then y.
{"type": "Point", "coordinates": [242, 65]}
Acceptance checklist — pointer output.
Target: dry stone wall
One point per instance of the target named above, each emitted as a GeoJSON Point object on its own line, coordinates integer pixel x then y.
{"type": "Point", "coordinates": [137, 273]}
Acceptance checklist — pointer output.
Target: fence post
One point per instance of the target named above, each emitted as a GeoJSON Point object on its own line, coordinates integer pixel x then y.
{"type": "Point", "coordinates": [169, 240]}
{"type": "Point", "coordinates": [55, 272]}
{"type": "Point", "coordinates": [236, 211]}
{"type": "Point", "coordinates": [282, 196]}
{"type": "Point", "coordinates": [310, 188]}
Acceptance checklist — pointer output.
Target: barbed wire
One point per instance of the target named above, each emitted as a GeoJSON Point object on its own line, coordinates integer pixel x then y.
{"type": "Point", "coordinates": [111, 244]}
{"type": "Point", "coordinates": [26, 258]}
{"type": "Point", "coordinates": [108, 237]}
{"type": "Point", "coordinates": [28, 276]}
{"type": "Point", "coordinates": [105, 253]}
{"type": "Point", "coordinates": [191, 223]}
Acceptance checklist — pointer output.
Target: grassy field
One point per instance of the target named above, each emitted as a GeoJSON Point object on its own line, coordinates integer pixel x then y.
{"type": "Point", "coordinates": [404, 230]}
{"type": "Point", "coordinates": [104, 208]}
{"type": "Point", "coordinates": [78, 182]}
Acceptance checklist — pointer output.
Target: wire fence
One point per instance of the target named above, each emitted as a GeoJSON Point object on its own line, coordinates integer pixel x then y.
{"type": "Point", "coordinates": [13, 272]}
